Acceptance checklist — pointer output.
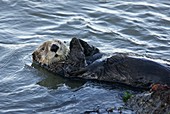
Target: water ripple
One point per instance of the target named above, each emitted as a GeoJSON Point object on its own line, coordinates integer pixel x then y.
{"type": "Point", "coordinates": [134, 27]}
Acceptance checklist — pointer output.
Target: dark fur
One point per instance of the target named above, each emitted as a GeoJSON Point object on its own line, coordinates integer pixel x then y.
{"type": "Point", "coordinates": [83, 62]}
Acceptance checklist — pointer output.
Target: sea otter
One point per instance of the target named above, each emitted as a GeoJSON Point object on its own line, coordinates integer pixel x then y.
{"type": "Point", "coordinates": [85, 61]}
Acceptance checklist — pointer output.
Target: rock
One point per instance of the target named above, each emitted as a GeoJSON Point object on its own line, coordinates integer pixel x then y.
{"type": "Point", "coordinates": [154, 102]}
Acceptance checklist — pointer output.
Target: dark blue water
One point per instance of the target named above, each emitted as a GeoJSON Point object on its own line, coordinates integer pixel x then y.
{"type": "Point", "coordinates": [133, 26]}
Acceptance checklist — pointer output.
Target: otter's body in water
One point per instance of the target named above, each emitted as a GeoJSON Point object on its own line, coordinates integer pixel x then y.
{"type": "Point", "coordinates": [83, 61]}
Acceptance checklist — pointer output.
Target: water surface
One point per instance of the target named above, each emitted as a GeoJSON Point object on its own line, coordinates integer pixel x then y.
{"type": "Point", "coordinates": [133, 26]}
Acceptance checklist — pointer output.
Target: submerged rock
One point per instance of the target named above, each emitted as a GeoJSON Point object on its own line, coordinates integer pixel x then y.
{"type": "Point", "coordinates": [151, 102]}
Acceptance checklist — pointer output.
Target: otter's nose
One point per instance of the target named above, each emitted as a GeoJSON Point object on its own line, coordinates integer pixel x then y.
{"type": "Point", "coordinates": [54, 48]}
{"type": "Point", "coordinates": [34, 56]}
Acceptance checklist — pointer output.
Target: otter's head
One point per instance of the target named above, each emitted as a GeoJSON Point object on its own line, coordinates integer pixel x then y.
{"type": "Point", "coordinates": [50, 52]}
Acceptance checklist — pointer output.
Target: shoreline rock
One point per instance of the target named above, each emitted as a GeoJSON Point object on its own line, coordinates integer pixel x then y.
{"type": "Point", "coordinates": [151, 102]}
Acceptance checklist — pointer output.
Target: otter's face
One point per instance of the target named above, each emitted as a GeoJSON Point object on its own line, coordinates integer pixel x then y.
{"type": "Point", "coordinates": [50, 52]}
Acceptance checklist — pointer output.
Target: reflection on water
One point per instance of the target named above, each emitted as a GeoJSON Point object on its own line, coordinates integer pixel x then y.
{"type": "Point", "coordinates": [135, 27]}
{"type": "Point", "coordinates": [54, 81]}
